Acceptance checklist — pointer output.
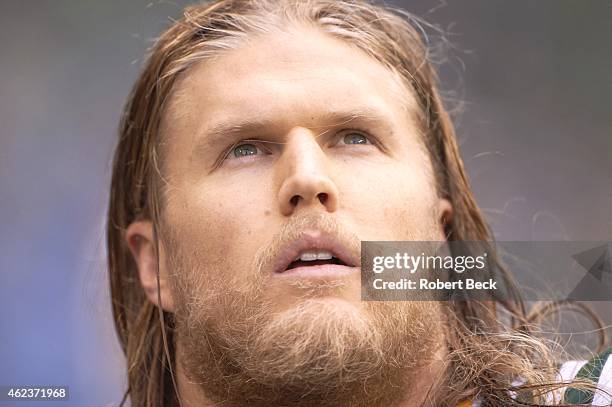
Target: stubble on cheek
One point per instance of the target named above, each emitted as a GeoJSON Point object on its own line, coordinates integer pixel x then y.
{"type": "Point", "coordinates": [197, 257]}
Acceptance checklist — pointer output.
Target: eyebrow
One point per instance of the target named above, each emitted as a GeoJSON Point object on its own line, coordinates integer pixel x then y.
{"type": "Point", "coordinates": [229, 130]}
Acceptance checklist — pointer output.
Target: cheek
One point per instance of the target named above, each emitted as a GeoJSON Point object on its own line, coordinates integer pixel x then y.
{"type": "Point", "coordinates": [390, 201]}
{"type": "Point", "coordinates": [217, 226]}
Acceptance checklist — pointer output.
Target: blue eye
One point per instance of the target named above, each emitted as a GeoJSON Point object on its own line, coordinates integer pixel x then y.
{"type": "Point", "coordinates": [244, 150]}
{"type": "Point", "coordinates": [356, 138]}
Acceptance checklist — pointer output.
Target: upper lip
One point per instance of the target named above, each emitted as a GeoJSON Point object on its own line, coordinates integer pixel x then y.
{"type": "Point", "coordinates": [314, 240]}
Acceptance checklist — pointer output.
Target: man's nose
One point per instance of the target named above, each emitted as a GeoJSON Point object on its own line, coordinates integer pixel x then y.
{"type": "Point", "coordinates": [304, 173]}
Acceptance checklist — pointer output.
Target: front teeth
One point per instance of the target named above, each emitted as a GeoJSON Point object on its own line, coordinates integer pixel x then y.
{"type": "Point", "coordinates": [314, 255]}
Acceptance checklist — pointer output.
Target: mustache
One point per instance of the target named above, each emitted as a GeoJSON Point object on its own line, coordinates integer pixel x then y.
{"type": "Point", "coordinates": [295, 227]}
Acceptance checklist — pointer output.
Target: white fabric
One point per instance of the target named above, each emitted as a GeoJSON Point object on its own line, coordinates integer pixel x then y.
{"type": "Point", "coordinates": [605, 384]}
{"type": "Point", "coordinates": [567, 372]}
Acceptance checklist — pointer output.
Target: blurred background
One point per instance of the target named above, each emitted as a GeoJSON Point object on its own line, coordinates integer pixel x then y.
{"type": "Point", "coordinates": [530, 83]}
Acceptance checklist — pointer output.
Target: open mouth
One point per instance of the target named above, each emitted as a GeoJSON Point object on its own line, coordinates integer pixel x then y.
{"type": "Point", "coordinates": [316, 255]}
{"type": "Point", "coordinates": [309, 259]}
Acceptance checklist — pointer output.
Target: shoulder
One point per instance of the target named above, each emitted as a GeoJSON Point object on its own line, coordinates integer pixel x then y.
{"type": "Point", "coordinates": [599, 370]}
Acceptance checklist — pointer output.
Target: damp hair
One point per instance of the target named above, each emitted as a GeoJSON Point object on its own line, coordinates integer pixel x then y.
{"type": "Point", "coordinates": [491, 343]}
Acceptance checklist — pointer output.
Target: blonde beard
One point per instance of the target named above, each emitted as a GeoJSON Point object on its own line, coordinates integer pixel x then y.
{"type": "Point", "coordinates": [319, 353]}
{"type": "Point", "coordinates": [239, 350]}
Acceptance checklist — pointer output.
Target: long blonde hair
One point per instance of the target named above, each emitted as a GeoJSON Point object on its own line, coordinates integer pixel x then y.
{"type": "Point", "coordinates": [487, 352]}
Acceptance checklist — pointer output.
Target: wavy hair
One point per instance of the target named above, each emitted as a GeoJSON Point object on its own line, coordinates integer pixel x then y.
{"type": "Point", "coordinates": [491, 343]}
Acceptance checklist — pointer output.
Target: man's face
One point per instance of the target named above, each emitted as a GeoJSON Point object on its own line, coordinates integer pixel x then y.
{"type": "Point", "coordinates": [292, 145]}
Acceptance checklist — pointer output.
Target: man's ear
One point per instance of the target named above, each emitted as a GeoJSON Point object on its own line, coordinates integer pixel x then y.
{"type": "Point", "coordinates": [445, 214]}
{"type": "Point", "coordinates": [140, 240]}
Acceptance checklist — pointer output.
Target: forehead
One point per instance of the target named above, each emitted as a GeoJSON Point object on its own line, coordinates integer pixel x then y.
{"type": "Point", "coordinates": [292, 78]}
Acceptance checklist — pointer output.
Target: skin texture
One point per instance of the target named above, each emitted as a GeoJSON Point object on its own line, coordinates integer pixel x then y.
{"type": "Point", "coordinates": [225, 219]}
